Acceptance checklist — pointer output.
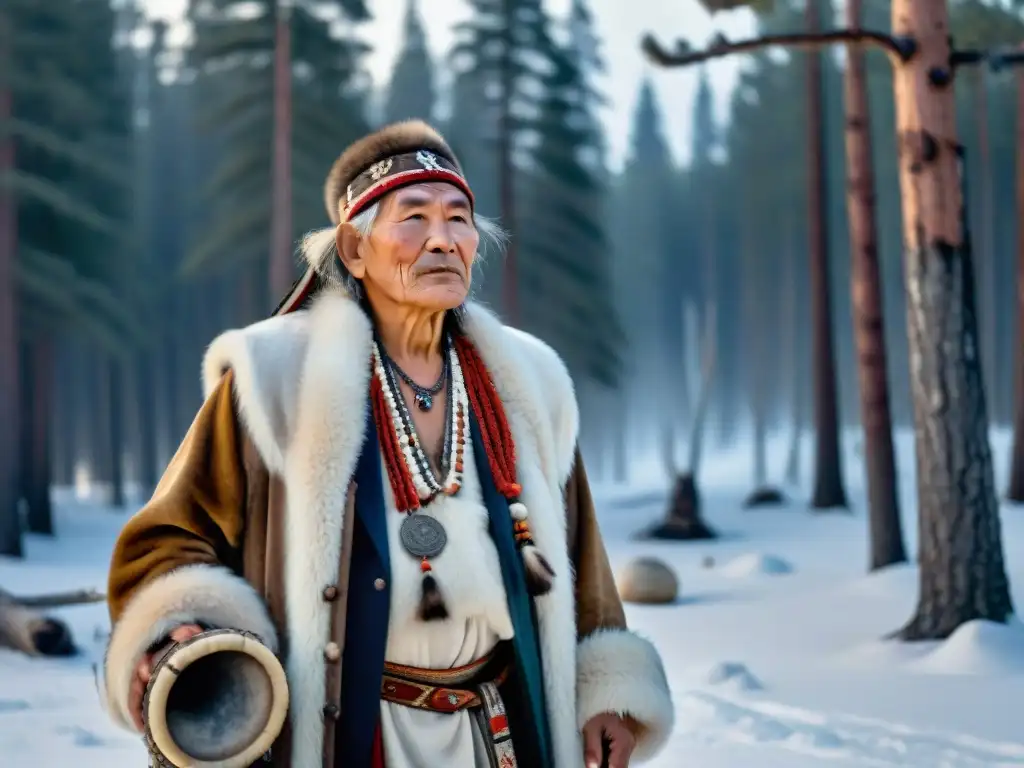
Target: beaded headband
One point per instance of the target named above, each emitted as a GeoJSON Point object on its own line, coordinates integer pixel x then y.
{"type": "Point", "coordinates": [399, 171]}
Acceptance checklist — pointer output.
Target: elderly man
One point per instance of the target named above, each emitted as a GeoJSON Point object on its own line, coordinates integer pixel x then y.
{"type": "Point", "coordinates": [384, 485]}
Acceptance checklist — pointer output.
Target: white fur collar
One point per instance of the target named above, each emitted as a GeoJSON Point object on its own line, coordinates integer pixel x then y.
{"type": "Point", "coordinates": [302, 383]}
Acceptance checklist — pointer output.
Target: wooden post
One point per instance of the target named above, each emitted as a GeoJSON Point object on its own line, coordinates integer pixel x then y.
{"type": "Point", "coordinates": [886, 545]}
{"type": "Point", "coordinates": [962, 574]}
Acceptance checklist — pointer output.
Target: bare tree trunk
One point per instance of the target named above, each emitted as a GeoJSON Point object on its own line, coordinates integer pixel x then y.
{"type": "Point", "coordinates": [793, 329]}
{"type": "Point", "coordinates": [962, 572]}
{"type": "Point", "coordinates": [753, 324]}
{"type": "Point", "coordinates": [620, 452]}
{"type": "Point", "coordinates": [280, 277]}
{"type": "Point", "coordinates": [63, 422]}
{"type": "Point", "coordinates": [186, 341]}
{"type": "Point", "coordinates": [97, 431]}
{"type": "Point", "coordinates": [1015, 491]}
{"type": "Point", "coordinates": [683, 519]}
{"type": "Point", "coordinates": [170, 356]}
{"type": "Point", "coordinates": [36, 452]}
{"type": "Point", "coordinates": [986, 252]}
{"type": "Point", "coordinates": [828, 475]}
{"type": "Point", "coordinates": [869, 327]}
{"type": "Point", "coordinates": [506, 171]}
{"type": "Point", "coordinates": [83, 405]}
{"type": "Point", "coordinates": [115, 415]}
{"type": "Point", "coordinates": [145, 401]}
{"type": "Point", "coordinates": [10, 524]}
{"type": "Point", "coordinates": [705, 357]}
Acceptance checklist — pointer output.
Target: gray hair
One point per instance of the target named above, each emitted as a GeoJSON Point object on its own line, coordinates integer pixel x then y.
{"type": "Point", "coordinates": [320, 250]}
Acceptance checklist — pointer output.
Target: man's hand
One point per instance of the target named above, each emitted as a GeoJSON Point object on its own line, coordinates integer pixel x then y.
{"type": "Point", "coordinates": [613, 729]}
{"type": "Point", "coordinates": [144, 671]}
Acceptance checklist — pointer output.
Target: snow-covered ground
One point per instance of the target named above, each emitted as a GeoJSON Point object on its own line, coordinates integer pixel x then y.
{"type": "Point", "coordinates": [774, 650]}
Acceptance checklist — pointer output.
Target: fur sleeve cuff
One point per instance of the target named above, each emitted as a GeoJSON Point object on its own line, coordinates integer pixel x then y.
{"type": "Point", "coordinates": [620, 672]}
{"type": "Point", "coordinates": [190, 594]}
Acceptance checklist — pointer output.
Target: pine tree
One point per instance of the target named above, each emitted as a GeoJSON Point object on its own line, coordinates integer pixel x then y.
{"type": "Point", "coordinates": [504, 52]}
{"type": "Point", "coordinates": [230, 60]}
{"type": "Point", "coordinates": [411, 92]}
{"type": "Point", "coordinates": [645, 249]}
{"type": "Point", "coordinates": [584, 49]}
{"type": "Point", "coordinates": [566, 253]}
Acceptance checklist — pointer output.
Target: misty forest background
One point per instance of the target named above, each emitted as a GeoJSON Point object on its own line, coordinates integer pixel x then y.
{"type": "Point", "coordinates": [142, 174]}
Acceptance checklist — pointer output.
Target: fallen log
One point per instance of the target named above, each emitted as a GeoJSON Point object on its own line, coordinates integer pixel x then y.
{"type": "Point", "coordinates": [61, 599]}
{"type": "Point", "coordinates": [29, 631]}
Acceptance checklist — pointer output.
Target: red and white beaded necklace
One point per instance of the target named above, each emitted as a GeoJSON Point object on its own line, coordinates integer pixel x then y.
{"type": "Point", "coordinates": [413, 481]}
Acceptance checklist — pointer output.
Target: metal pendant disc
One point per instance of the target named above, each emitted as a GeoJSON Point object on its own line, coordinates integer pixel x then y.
{"type": "Point", "coordinates": [422, 536]}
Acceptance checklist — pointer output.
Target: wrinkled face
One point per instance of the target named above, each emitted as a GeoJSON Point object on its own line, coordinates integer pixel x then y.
{"type": "Point", "coordinates": [420, 252]}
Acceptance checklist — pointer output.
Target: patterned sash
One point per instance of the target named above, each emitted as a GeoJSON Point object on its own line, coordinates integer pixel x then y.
{"type": "Point", "coordinates": [457, 689]}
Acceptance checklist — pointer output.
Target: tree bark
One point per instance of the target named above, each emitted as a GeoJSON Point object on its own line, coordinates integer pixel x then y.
{"type": "Point", "coordinates": [962, 575]}
{"type": "Point", "coordinates": [36, 451]}
{"type": "Point", "coordinates": [986, 252]}
{"type": "Point", "coordinates": [1015, 491]}
{"type": "Point", "coordinates": [886, 532]}
{"type": "Point", "coordinates": [10, 522]}
{"type": "Point", "coordinates": [828, 475]}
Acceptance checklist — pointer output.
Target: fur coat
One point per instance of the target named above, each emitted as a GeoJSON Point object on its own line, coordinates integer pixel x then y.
{"type": "Point", "coordinates": [247, 527]}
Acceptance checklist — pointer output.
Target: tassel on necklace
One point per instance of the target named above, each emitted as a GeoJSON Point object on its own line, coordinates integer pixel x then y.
{"type": "Point", "coordinates": [432, 606]}
{"type": "Point", "coordinates": [501, 455]}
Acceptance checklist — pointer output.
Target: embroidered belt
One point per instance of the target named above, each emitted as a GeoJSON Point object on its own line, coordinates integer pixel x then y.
{"type": "Point", "coordinates": [454, 690]}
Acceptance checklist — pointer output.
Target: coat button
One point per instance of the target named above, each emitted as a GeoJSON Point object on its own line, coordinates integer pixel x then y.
{"type": "Point", "coordinates": [379, 584]}
{"type": "Point", "coordinates": [332, 652]}
{"type": "Point", "coordinates": [330, 593]}
{"type": "Point", "coordinates": [332, 712]}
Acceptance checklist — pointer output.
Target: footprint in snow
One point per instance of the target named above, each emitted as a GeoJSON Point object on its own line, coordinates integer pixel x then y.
{"type": "Point", "coordinates": [705, 717]}
{"type": "Point", "coordinates": [81, 737]}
